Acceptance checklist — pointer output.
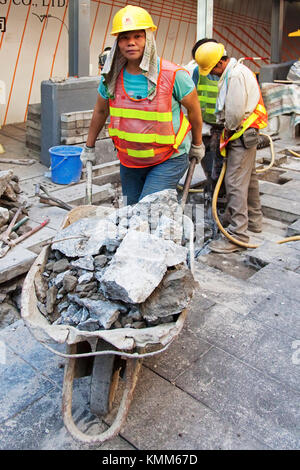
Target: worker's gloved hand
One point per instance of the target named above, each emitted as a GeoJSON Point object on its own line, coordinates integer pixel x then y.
{"type": "Point", "coordinates": [88, 154]}
{"type": "Point", "coordinates": [197, 151]}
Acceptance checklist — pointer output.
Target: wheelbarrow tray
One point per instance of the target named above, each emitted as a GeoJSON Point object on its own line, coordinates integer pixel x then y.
{"type": "Point", "coordinates": [124, 339]}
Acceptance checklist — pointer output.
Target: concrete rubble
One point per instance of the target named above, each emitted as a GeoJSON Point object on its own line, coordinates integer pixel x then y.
{"type": "Point", "coordinates": [118, 271]}
{"type": "Point", "coordinates": [11, 200]}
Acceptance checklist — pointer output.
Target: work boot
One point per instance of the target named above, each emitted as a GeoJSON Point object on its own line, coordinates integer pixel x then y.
{"type": "Point", "coordinates": [224, 246]}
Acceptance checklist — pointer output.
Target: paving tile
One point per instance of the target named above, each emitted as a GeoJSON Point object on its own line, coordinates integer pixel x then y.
{"type": "Point", "coordinates": [40, 212]}
{"type": "Point", "coordinates": [277, 280]}
{"type": "Point", "coordinates": [294, 229]}
{"type": "Point", "coordinates": [247, 339]}
{"type": "Point", "coordinates": [186, 348]}
{"type": "Point", "coordinates": [171, 419]}
{"type": "Point", "coordinates": [246, 397]}
{"type": "Point", "coordinates": [279, 312]}
{"type": "Point", "coordinates": [20, 385]}
{"type": "Point", "coordinates": [278, 254]}
{"type": "Point", "coordinates": [278, 208]}
{"type": "Point", "coordinates": [225, 289]}
{"type": "Point", "coordinates": [20, 340]}
{"type": "Point", "coordinates": [41, 427]}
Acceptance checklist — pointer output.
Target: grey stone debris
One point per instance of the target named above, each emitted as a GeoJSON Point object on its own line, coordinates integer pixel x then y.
{"type": "Point", "coordinates": [5, 177]}
{"type": "Point", "coordinates": [139, 265]}
{"type": "Point", "coordinates": [85, 278]}
{"type": "Point", "coordinates": [51, 298]}
{"type": "Point", "coordinates": [57, 281]}
{"type": "Point", "coordinates": [171, 296]}
{"type": "Point", "coordinates": [86, 263]}
{"type": "Point", "coordinates": [69, 282]}
{"type": "Point", "coordinates": [106, 312]}
{"type": "Point", "coordinates": [60, 265]}
{"type": "Point", "coordinates": [100, 261]}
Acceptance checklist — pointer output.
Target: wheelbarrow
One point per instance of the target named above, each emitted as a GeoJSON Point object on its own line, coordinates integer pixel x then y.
{"type": "Point", "coordinates": [104, 354]}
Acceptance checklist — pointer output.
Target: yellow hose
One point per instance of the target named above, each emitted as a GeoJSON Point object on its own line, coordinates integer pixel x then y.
{"type": "Point", "coordinates": [261, 170]}
{"type": "Point", "coordinates": [294, 153]}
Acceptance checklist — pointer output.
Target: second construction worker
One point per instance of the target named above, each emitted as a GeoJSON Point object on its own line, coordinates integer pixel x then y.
{"type": "Point", "coordinates": [207, 91]}
{"type": "Point", "coordinates": [240, 109]}
{"type": "Point", "coordinates": [143, 95]}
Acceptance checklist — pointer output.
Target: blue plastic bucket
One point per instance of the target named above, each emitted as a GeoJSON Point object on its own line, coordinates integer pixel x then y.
{"type": "Point", "coordinates": [66, 165]}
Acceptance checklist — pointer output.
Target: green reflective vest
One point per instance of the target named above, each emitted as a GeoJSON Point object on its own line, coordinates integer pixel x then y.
{"type": "Point", "coordinates": [207, 94]}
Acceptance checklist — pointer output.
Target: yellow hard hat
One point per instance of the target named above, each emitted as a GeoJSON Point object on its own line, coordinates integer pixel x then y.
{"type": "Point", "coordinates": [131, 18]}
{"type": "Point", "coordinates": [295, 33]}
{"type": "Point", "coordinates": [208, 55]}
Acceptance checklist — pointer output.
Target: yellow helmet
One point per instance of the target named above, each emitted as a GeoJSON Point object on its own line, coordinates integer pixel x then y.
{"type": "Point", "coordinates": [208, 55]}
{"type": "Point", "coordinates": [131, 18]}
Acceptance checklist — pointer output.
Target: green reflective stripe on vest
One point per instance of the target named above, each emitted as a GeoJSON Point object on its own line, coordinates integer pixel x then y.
{"type": "Point", "coordinates": [142, 138]}
{"type": "Point", "coordinates": [139, 114]}
{"type": "Point", "coordinates": [210, 110]}
{"type": "Point", "coordinates": [211, 88]}
{"type": "Point", "coordinates": [207, 99]}
{"type": "Point", "coordinates": [207, 94]}
{"type": "Point", "coordinates": [140, 153]}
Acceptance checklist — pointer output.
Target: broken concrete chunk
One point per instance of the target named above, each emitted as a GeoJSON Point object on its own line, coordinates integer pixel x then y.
{"type": "Point", "coordinates": [138, 266]}
{"type": "Point", "coordinates": [172, 295]}
{"type": "Point", "coordinates": [57, 281]}
{"type": "Point", "coordinates": [51, 298]}
{"type": "Point", "coordinates": [169, 229]}
{"type": "Point", "coordinates": [88, 287]}
{"type": "Point", "coordinates": [60, 265]}
{"type": "Point", "coordinates": [86, 263]}
{"type": "Point", "coordinates": [100, 261]}
{"type": "Point", "coordinates": [106, 312]}
{"type": "Point", "coordinates": [69, 282]}
{"type": "Point", "coordinates": [84, 237]}
{"type": "Point", "coordinates": [90, 324]}
{"type": "Point", "coordinates": [85, 278]}
{"type": "Point", "coordinates": [5, 177]}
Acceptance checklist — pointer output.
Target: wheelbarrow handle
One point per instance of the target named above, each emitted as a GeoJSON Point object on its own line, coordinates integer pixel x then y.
{"type": "Point", "coordinates": [187, 182]}
{"type": "Point", "coordinates": [133, 367]}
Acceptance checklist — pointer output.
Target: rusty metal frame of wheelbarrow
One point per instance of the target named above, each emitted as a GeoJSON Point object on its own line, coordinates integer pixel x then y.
{"type": "Point", "coordinates": [43, 332]}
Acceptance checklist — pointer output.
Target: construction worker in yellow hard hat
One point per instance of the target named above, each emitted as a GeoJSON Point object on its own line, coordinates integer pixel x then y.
{"type": "Point", "coordinates": [143, 95]}
{"type": "Point", "coordinates": [240, 109]}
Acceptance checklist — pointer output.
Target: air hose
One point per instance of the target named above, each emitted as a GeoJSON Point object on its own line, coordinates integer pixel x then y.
{"type": "Point", "coordinates": [215, 199]}
{"type": "Point", "coordinates": [294, 153]}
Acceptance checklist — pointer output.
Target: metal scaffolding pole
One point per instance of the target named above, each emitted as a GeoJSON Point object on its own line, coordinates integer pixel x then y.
{"type": "Point", "coordinates": [79, 34]}
{"type": "Point", "coordinates": [205, 13]}
{"type": "Point", "coordinates": [276, 30]}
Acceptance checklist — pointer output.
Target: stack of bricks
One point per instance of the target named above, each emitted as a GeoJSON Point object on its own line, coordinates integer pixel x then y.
{"type": "Point", "coordinates": [33, 129]}
{"type": "Point", "coordinates": [75, 126]}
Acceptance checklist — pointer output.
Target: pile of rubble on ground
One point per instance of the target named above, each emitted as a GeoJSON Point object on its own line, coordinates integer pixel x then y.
{"type": "Point", "coordinates": [127, 270]}
{"type": "Point", "coordinates": [10, 201]}
{"type": "Point", "coordinates": [10, 298]}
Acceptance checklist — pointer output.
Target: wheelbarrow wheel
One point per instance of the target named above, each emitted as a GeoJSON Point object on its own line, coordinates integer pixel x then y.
{"type": "Point", "coordinates": [105, 379]}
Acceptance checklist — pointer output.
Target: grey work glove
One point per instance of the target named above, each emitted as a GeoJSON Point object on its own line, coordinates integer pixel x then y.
{"type": "Point", "coordinates": [88, 154]}
{"type": "Point", "coordinates": [197, 151]}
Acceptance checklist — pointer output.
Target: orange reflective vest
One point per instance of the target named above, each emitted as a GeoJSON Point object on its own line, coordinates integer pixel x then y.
{"type": "Point", "coordinates": [142, 130]}
{"type": "Point", "coordinates": [258, 119]}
